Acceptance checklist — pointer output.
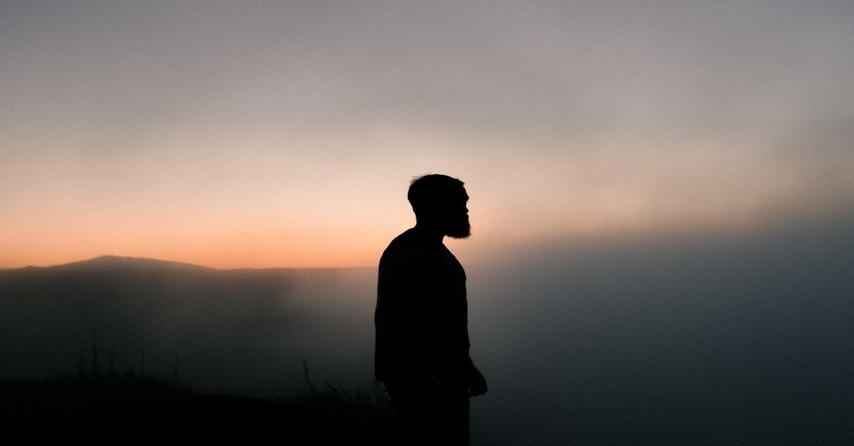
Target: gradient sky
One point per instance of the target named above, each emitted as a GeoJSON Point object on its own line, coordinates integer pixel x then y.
{"type": "Point", "coordinates": [261, 134]}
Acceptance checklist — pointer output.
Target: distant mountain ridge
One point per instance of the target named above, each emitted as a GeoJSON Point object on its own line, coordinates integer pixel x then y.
{"type": "Point", "coordinates": [119, 262]}
{"type": "Point", "coordinates": [124, 262]}
{"type": "Point", "coordinates": [113, 262]}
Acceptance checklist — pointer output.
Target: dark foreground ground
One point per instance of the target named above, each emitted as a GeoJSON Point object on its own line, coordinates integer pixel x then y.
{"type": "Point", "coordinates": [118, 410]}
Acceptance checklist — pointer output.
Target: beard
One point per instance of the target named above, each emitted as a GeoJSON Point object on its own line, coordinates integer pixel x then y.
{"type": "Point", "coordinates": [458, 228]}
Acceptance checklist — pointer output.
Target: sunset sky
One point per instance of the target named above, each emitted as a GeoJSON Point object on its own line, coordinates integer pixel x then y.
{"type": "Point", "coordinates": [284, 134]}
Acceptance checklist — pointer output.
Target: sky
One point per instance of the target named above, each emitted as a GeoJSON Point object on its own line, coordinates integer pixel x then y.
{"type": "Point", "coordinates": [284, 134]}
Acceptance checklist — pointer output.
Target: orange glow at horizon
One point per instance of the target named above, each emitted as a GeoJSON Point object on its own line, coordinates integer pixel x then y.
{"type": "Point", "coordinates": [359, 246]}
{"type": "Point", "coordinates": [233, 251]}
{"type": "Point", "coordinates": [349, 222]}
{"type": "Point", "coordinates": [245, 213]}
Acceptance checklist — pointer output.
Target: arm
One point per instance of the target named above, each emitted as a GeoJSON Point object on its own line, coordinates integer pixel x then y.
{"type": "Point", "coordinates": [400, 288]}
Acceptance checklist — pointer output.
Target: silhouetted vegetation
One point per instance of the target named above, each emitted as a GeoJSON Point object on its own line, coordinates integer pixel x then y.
{"type": "Point", "coordinates": [373, 408]}
{"type": "Point", "coordinates": [111, 407]}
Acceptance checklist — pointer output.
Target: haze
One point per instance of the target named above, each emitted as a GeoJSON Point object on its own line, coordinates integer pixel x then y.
{"type": "Point", "coordinates": [276, 134]}
{"type": "Point", "coordinates": [661, 196]}
{"type": "Point", "coordinates": [714, 340]}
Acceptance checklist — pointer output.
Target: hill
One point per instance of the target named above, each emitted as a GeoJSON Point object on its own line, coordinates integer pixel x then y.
{"type": "Point", "coordinates": [237, 331]}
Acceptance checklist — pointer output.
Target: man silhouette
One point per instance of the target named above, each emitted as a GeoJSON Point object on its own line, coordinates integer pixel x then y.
{"type": "Point", "coordinates": [422, 343]}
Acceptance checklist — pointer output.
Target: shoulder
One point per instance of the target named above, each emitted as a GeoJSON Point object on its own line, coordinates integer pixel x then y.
{"type": "Point", "coordinates": [403, 253]}
{"type": "Point", "coordinates": [406, 250]}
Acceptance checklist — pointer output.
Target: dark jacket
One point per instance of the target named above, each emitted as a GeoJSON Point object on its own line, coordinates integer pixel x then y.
{"type": "Point", "coordinates": [421, 315]}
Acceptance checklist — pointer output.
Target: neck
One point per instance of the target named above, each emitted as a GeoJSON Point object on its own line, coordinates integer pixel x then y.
{"type": "Point", "coordinates": [431, 230]}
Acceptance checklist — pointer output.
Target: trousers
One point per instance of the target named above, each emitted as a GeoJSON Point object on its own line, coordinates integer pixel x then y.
{"type": "Point", "coordinates": [431, 413]}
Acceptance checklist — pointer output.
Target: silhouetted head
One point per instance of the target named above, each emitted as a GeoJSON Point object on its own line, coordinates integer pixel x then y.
{"type": "Point", "coordinates": [440, 201]}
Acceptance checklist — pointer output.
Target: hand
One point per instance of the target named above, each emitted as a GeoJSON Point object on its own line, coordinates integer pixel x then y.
{"type": "Point", "coordinates": [477, 383]}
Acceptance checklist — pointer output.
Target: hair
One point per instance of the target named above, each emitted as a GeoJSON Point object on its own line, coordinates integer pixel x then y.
{"type": "Point", "coordinates": [429, 194]}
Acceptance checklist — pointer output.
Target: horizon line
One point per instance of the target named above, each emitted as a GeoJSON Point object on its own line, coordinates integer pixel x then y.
{"type": "Point", "coordinates": [101, 259]}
